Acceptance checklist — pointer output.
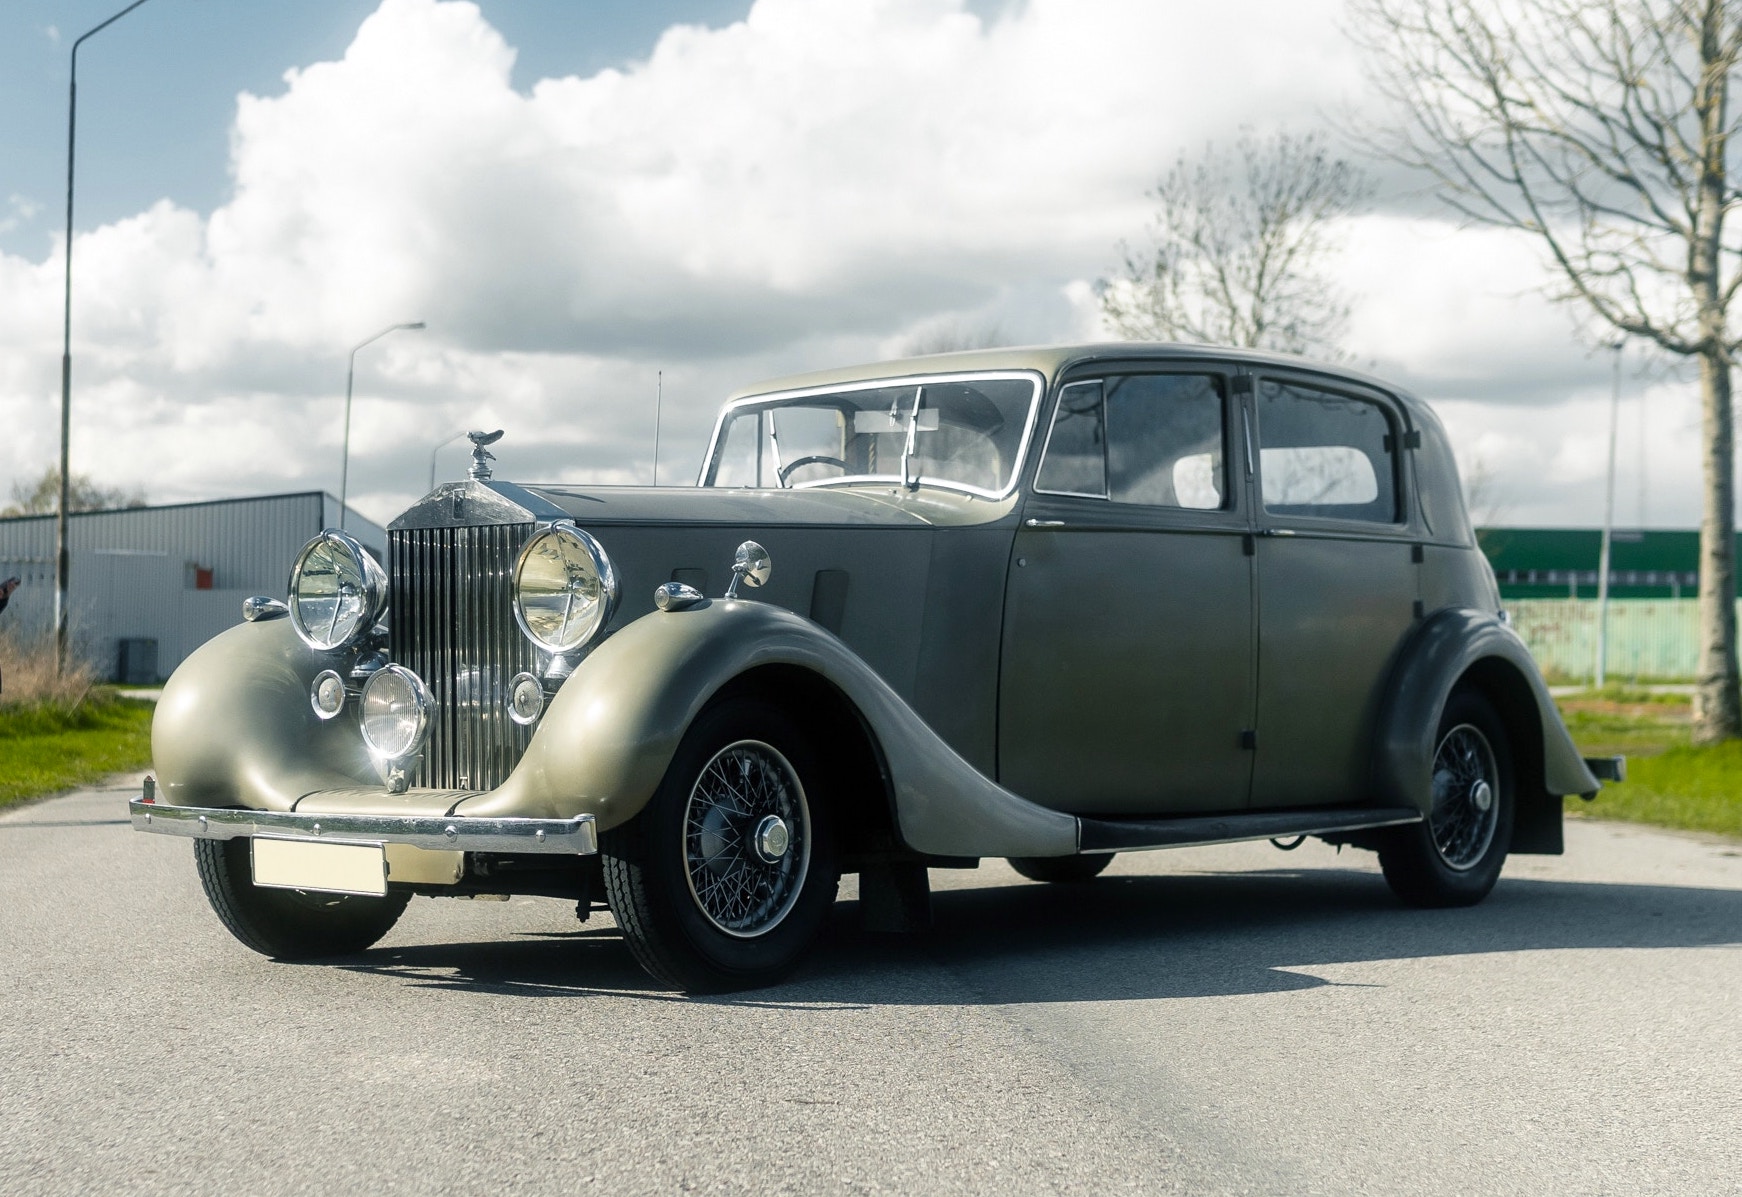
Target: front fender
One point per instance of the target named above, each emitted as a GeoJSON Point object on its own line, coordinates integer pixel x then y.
{"type": "Point", "coordinates": [234, 725]}
{"type": "Point", "coordinates": [1443, 651]}
{"type": "Point", "coordinates": [609, 734]}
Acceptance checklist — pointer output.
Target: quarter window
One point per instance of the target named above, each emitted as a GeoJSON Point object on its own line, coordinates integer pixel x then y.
{"type": "Point", "coordinates": [1324, 454]}
{"type": "Point", "coordinates": [1150, 439]}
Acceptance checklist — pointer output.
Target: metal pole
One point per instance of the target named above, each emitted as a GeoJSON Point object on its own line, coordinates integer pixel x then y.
{"type": "Point", "coordinates": [350, 374]}
{"type": "Point", "coordinates": [658, 409]}
{"type": "Point", "coordinates": [1644, 465]}
{"type": "Point", "coordinates": [438, 449]}
{"type": "Point", "coordinates": [62, 557]}
{"type": "Point", "coordinates": [1608, 525]}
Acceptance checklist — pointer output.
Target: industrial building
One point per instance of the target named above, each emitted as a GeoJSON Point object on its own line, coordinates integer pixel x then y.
{"type": "Point", "coordinates": [148, 585]}
{"type": "Point", "coordinates": [1562, 562]}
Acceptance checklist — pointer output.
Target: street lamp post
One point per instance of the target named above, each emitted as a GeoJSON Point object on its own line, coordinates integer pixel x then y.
{"type": "Point", "coordinates": [1608, 524]}
{"type": "Point", "coordinates": [62, 557]}
{"type": "Point", "coordinates": [438, 449]}
{"type": "Point", "coordinates": [350, 376]}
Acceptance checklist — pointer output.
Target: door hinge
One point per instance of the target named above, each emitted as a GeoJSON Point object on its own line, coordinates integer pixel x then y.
{"type": "Point", "coordinates": [1242, 384]}
{"type": "Point", "coordinates": [1415, 554]}
{"type": "Point", "coordinates": [1248, 544]}
{"type": "Point", "coordinates": [1249, 740]}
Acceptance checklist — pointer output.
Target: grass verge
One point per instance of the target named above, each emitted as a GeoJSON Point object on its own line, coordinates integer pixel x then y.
{"type": "Point", "coordinates": [1670, 781]}
{"type": "Point", "coordinates": [47, 746]}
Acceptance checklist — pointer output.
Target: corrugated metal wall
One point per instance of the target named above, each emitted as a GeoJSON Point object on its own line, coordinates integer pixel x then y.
{"type": "Point", "coordinates": [1649, 639]}
{"type": "Point", "coordinates": [136, 573]}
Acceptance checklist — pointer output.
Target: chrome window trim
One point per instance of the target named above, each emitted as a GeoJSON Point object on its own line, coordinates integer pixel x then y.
{"type": "Point", "coordinates": [1047, 444]}
{"type": "Point", "coordinates": [711, 463]}
{"type": "Point", "coordinates": [1106, 495]}
{"type": "Point", "coordinates": [1398, 424]}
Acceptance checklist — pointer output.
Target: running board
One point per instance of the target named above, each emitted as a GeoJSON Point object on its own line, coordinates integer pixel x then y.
{"type": "Point", "coordinates": [1126, 835]}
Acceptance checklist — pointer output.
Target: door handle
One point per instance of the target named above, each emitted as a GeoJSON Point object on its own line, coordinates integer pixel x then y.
{"type": "Point", "coordinates": [1034, 523]}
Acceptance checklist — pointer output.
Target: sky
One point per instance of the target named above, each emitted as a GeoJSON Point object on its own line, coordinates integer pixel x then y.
{"type": "Point", "coordinates": [600, 205]}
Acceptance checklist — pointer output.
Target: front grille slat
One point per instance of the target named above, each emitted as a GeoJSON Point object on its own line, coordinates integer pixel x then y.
{"type": "Point", "coordinates": [452, 623]}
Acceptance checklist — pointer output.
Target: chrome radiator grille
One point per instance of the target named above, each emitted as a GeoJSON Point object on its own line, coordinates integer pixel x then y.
{"type": "Point", "coordinates": [451, 617]}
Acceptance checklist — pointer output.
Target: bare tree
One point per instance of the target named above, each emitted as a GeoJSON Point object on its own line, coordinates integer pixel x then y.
{"type": "Point", "coordinates": [1484, 497]}
{"type": "Point", "coordinates": [1601, 128]}
{"type": "Point", "coordinates": [42, 496]}
{"type": "Point", "coordinates": [950, 336]}
{"type": "Point", "coordinates": [1240, 242]}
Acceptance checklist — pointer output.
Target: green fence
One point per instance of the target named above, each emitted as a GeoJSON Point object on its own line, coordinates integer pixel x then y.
{"type": "Point", "coordinates": [1649, 639]}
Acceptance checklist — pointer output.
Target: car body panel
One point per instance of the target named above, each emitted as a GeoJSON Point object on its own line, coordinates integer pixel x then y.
{"type": "Point", "coordinates": [1442, 653]}
{"type": "Point", "coordinates": [1332, 612]}
{"type": "Point", "coordinates": [1127, 661]}
{"type": "Point", "coordinates": [1011, 677]}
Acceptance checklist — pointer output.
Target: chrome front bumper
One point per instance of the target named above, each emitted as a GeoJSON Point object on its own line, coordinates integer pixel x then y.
{"type": "Point", "coordinates": [574, 837]}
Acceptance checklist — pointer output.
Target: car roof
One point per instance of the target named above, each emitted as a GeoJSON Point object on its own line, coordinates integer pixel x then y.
{"type": "Point", "coordinates": [1050, 360]}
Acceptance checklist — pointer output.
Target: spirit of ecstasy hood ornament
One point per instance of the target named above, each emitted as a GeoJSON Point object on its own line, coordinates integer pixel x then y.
{"type": "Point", "coordinates": [482, 457]}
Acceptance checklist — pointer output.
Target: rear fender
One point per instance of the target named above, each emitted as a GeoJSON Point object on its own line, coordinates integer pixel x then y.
{"type": "Point", "coordinates": [1468, 646]}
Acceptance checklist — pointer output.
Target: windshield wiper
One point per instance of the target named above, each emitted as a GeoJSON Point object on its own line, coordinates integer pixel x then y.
{"type": "Point", "coordinates": [907, 446]}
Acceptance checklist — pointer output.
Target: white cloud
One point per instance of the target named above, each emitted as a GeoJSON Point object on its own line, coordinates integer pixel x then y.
{"type": "Point", "coordinates": [812, 185]}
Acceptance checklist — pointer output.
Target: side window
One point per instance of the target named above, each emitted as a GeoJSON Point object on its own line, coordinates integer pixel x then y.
{"type": "Point", "coordinates": [1324, 454]}
{"type": "Point", "coordinates": [1164, 441]}
{"type": "Point", "coordinates": [1076, 449]}
{"type": "Point", "coordinates": [1150, 439]}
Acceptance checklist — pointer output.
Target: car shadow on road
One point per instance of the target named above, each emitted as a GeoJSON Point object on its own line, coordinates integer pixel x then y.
{"type": "Point", "coordinates": [1118, 938]}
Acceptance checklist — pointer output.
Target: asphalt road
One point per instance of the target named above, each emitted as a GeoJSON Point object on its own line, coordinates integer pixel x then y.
{"type": "Point", "coordinates": [1211, 1020]}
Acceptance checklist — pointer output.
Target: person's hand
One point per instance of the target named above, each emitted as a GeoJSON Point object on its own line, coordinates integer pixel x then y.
{"type": "Point", "coordinates": [7, 587]}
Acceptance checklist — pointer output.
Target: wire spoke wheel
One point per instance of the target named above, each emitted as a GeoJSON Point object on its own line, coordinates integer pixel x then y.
{"type": "Point", "coordinates": [725, 878]}
{"type": "Point", "coordinates": [747, 839]}
{"type": "Point", "coordinates": [1453, 857]}
{"type": "Point", "coordinates": [1466, 807]}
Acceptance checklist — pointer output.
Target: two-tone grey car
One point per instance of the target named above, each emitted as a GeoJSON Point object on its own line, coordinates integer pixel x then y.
{"type": "Point", "coordinates": [1043, 604]}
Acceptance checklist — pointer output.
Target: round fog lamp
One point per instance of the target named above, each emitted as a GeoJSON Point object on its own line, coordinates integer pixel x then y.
{"type": "Point", "coordinates": [525, 699]}
{"type": "Point", "coordinates": [396, 712]}
{"type": "Point", "coordinates": [327, 694]}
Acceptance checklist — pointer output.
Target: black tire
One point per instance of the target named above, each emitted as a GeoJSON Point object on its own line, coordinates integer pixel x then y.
{"type": "Point", "coordinates": [1064, 869]}
{"type": "Point", "coordinates": [1453, 857]}
{"type": "Point", "coordinates": [707, 904]}
{"type": "Point", "coordinates": [289, 924]}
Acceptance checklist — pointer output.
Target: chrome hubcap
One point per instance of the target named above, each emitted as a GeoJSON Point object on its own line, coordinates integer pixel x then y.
{"type": "Point", "coordinates": [1465, 814]}
{"type": "Point", "coordinates": [746, 839]}
{"type": "Point", "coordinates": [772, 839]}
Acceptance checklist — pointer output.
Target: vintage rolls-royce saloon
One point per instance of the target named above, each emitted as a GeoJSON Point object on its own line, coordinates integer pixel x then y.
{"type": "Point", "coordinates": [1043, 604]}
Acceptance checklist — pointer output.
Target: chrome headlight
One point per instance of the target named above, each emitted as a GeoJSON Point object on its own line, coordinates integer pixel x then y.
{"type": "Point", "coordinates": [337, 591]}
{"type": "Point", "coordinates": [564, 588]}
{"type": "Point", "coordinates": [397, 708]}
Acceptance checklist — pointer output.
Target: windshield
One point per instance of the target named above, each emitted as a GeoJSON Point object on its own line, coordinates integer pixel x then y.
{"type": "Point", "coordinates": [961, 431]}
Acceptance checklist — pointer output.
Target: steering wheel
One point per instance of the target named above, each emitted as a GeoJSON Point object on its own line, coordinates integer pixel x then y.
{"type": "Point", "coordinates": [786, 471]}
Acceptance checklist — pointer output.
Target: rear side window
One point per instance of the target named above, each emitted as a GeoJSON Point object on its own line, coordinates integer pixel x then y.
{"type": "Point", "coordinates": [1151, 439]}
{"type": "Point", "coordinates": [1325, 454]}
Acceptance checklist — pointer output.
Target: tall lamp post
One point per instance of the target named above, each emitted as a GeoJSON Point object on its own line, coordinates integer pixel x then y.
{"type": "Point", "coordinates": [62, 558]}
{"type": "Point", "coordinates": [1608, 524]}
{"type": "Point", "coordinates": [438, 449]}
{"type": "Point", "coordinates": [350, 376]}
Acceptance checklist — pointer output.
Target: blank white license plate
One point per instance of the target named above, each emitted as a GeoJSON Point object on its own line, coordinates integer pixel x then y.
{"type": "Point", "coordinates": [327, 867]}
